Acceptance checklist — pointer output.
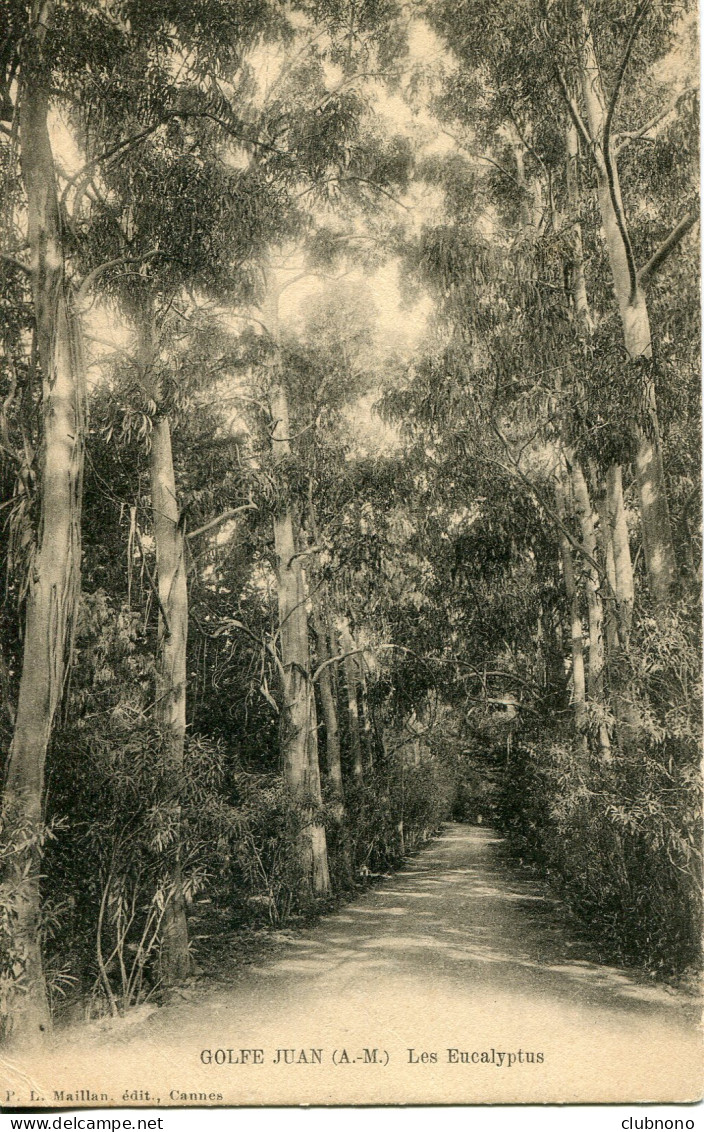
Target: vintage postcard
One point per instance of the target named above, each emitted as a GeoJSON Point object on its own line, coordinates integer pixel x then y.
{"type": "Point", "coordinates": [350, 716]}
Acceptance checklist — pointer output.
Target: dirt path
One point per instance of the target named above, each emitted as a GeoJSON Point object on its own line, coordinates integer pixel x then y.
{"type": "Point", "coordinates": [454, 953]}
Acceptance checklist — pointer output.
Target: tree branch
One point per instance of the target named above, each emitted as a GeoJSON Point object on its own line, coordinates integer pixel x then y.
{"type": "Point", "coordinates": [98, 271]}
{"type": "Point", "coordinates": [352, 179]}
{"type": "Point", "coordinates": [10, 259]}
{"type": "Point", "coordinates": [481, 157]}
{"type": "Point", "coordinates": [265, 645]}
{"type": "Point", "coordinates": [221, 519]}
{"type": "Point", "coordinates": [638, 20]}
{"type": "Point", "coordinates": [229, 129]}
{"type": "Point", "coordinates": [608, 156]}
{"type": "Point", "coordinates": [289, 439]}
{"type": "Point", "coordinates": [336, 660]}
{"type": "Point", "coordinates": [111, 151]}
{"type": "Point", "coordinates": [538, 496]}
{"type": "Point", "coordinates": [667, 247]}
{"type": "Point", "coordinates": [574, 111]}
{"type": "Point", "coordinates": [377, 188]}
{"type": "Point", "coordinates": [526, 144]}
{"type": "Point", "coordinates": [154, 587]}
{"type": "Point", "coordinates": [628, 136]}
{"type": "Point", "coordinates": [304, 553]}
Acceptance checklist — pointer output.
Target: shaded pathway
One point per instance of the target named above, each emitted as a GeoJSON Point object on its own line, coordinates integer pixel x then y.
{"type": "Point", "coordinates": [456, 952]}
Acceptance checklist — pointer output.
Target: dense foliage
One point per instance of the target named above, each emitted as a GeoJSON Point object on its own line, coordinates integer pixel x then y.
{"type": "Point", "coordinates": [310, 575]}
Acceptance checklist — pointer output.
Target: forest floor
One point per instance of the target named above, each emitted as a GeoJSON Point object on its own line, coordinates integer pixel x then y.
{"type": "Point", "coordinates": [459, 951]}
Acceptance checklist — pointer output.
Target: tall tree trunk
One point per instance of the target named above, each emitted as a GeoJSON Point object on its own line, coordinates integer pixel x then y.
{"type": "Point", "coordinates": [328, 701]}
{"type": "Point", "coordinates": [350, 669]}
{"type": "Point", "coordinates": [328, 694]}
{"type": "Point", "coordinates": [613, 530]}
{"type": "Point", "coordinates": [606, 548]}
{"type": "Point", "coordinates": [615, 515]}
{"type": "Point", "coordinates": [321, 869]}
{"type": "Point", "coordinates": [595, 670]}
{"type": "Point", "coordinates": [54, 581]}
{"type": "Point", "coordinates": [613, 522]}
{"type": "Point", "coordinates": [630, 298]}
{"type": "Point", "coordinates": [579, 283]}
{"type": "Point", "coordinates": [367, 735]}
{"type": "Point", "coordinates": [329, 706]}
{"type": "Point", "coordinates": [171, 674]}
{"type": "Point", "coordinates": [555, 679]}
{"type": "Point", "coordinates": [298, 730]}
{"type": "Point", "coordinates": [172, 637]}
{"type": "Point", "coordinates": [579, 687]}
{"type": "Point", "coordinates": [616, 542]}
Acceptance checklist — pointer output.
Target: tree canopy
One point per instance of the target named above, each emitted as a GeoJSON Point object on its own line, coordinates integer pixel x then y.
{"type": "Point", "coordinates": [349, 450]}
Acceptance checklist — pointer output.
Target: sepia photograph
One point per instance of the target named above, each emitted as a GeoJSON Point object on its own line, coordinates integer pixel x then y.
{"type": "Point", "coordinates": [350, 523]}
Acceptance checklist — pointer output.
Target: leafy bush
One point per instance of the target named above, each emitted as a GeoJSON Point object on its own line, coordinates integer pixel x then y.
{"type": "Point", "coordinates": [399, 806]}
{"type": "Point", "coordinates": [264, 878]}
{"type": "Point", "coordinates": [128, 816]}
{"type": "Point", "coordinates": [15, 838]}
{"type": "Point", "coordinates": [621, 835]}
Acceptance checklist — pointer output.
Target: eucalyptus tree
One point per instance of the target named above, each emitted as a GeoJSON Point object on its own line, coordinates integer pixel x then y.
{"type": "Point", "coordinates": [194, 246]}
{"type": "Point", "coordinates": [596, 130]}
{"type": "Point", "coordinates": [90, 61]}
{"type": "Point", "coordinates": [259, 153]}
{"type": "Point", "coordinates": [505, 266]}
{"type": "Point", "coordinates": [330, 362]}
{"type": "Point", "coordinates": [331, 166]}
{"type": "Point", "coordinates": [579, 51]}
{"type": "Point", "coordinates": [29, 73]}
{"type": "Point", "coordinates": [536, 353]}
{"type": "Point", "coordinates": [306, 382]}
{"type": "Point", "coordinates": [548, 194]}
{"type": "Point", "coordinates": [197, 203]}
